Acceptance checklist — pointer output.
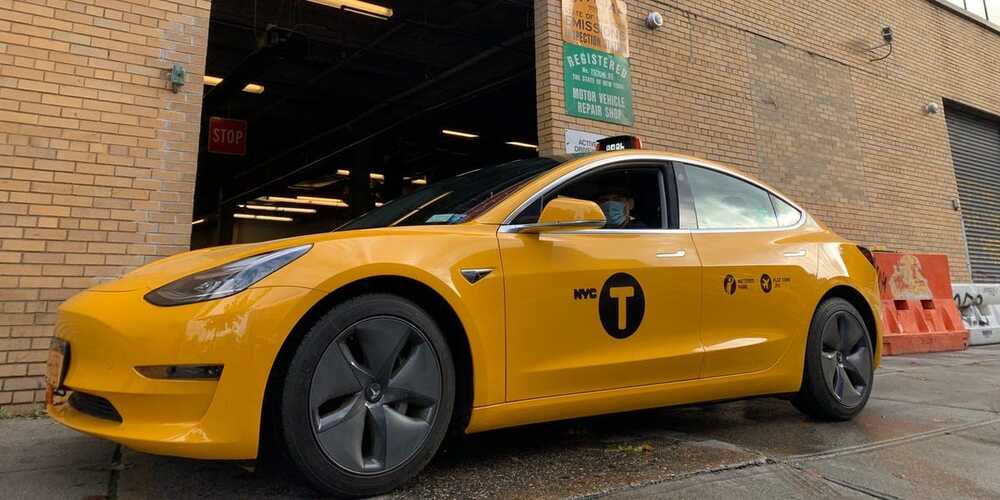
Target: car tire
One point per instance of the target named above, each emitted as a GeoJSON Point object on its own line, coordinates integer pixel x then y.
{"type": "Point", "coordinates": [839, 370]}
{"type": "Point", "coordinates": [368, 396]}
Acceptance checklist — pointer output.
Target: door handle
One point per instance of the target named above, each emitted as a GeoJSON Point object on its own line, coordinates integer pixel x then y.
{"type": "Point", "coordinates": [800, 253]}
{"type": "Point", "coordinates": [667, 255]}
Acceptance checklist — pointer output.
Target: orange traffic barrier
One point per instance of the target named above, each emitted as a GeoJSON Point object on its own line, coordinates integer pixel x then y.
{"type": "Point", "coordinates": [919, 311]}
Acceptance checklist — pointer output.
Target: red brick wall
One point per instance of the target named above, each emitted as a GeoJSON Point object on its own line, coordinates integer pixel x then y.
{"type": "Point", "coordinates": [97, 157]}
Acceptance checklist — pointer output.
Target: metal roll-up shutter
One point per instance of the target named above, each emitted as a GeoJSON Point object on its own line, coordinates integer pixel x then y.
{"type": "Point", "coordinates": [975, 149]}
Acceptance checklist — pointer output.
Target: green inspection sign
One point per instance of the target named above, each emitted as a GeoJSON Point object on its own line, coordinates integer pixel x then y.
{"type": "Point", "coordinates": [598, 85]}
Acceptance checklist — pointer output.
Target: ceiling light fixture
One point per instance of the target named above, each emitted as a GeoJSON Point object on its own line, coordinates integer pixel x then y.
{"type": "Point", "coordinates": [522, 144]}
{"type": "Point", "coordinates": [343, 172]}
{"type": "Point", "coordinates": [379, 204]}
{"type": "Point", "coordinates": [357, 7]}
{"type": "Point", "coordinates": [274, 218]}
{"type": "Point", "coordinates": [272, 208]}
{"type": "Point", "coordinates": [456, 133]}
{"type": "Point", "coordinates": [196, 222]}
{"type": "Point", "coordinates": [252, 88]}
{"type": "Point", "coordinates": [319, 198]}
{"type": "Point", "coordinates": [306, 200]}
{"type": "Point", "coordinates": [377, 177]}
{"type": "Point", "coordinates": [279, 199]}
{"type": "Point", "coordinates": [419, 182]}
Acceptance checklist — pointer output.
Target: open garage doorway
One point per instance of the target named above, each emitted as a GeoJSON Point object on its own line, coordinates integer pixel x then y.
{"type": "Point", "coordinates": [317, 111]}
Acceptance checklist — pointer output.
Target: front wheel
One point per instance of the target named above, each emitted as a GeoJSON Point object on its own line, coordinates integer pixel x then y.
{"type": "Point", "coordinates": [368, 396]}
{"type": "Point", "coordinates": [839, 371]}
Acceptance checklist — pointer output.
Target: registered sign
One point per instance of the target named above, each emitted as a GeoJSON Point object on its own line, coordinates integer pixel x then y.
{"type": "Point", "coordinates": [598, 85]}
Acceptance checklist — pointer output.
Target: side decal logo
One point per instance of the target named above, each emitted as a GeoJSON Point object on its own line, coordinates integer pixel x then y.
{"type": "Point", "coordinates": [765, 283]}
{"type": "Point", "coordinates": [729, 284]}
{"type": "Point", "coordinates": [621, 305]}
{"type": "Point", "coordinates": [584, 293]}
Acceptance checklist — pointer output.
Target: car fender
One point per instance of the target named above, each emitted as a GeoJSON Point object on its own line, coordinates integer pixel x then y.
{"type": "Point", "coordinates": [433, 257]}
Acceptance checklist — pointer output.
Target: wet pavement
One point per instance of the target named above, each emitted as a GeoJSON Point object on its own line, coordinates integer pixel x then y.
{"type": "Point", "coordinates": [931, 430]}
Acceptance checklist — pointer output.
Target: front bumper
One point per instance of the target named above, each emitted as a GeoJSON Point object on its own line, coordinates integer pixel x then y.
{"type": "Point", "coordinates": [111, 333]}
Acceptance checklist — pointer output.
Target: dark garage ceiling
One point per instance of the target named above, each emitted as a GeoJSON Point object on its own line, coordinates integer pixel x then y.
{"type": "Point", "coordinates": [343, 90]}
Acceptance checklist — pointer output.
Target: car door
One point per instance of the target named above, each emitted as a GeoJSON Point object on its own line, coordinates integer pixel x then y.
{"type": "Point", "coordinates": [755, 262]}
{"type": "Point", "coordinates": [598, 309]}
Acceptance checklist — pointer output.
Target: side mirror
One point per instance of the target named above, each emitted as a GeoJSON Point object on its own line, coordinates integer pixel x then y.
{"type": "Point", "coordinates": [565, 213]}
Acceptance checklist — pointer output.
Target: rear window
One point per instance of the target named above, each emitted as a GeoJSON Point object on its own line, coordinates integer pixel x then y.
{"type": "Point", "coordinates": [722, 201]}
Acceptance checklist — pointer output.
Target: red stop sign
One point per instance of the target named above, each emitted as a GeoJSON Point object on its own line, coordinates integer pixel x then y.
{"type": "Point", "coordinates": [227, 136]}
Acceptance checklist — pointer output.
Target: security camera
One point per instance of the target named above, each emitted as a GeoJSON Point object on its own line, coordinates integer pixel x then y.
{"type": "Point", "coordinates": [654, 20]}
{"type": "Point", "coordinates": [887, 34]}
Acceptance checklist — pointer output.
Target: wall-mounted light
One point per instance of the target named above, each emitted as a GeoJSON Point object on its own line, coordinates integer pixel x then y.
{"type": "Point", "coordinates": [654, 20]}
{"type": "Point", "coordinates": [932, 108]}
{"type": "Point", "coordinates": [178, 77]}
{"type": "Point", "coordinates": [357, 7]}
{"type": "Point", "coordinates": [197, 221]}
{"type": "Point", "coordinates": [887, 39]}
{"type": "Point", "coordinates": [457, 133]}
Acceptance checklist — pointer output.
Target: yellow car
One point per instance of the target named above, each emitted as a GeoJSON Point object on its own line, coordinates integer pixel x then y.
{"type": "Point", "coordinates": [526, 292]}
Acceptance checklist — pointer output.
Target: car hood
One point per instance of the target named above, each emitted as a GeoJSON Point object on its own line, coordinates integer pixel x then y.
{"type": "Point", "coordinates": [168, 269]}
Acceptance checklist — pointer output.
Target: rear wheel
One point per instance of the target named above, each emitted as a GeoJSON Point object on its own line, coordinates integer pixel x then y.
{"type": "Point", "coordinates": [368, 396]}
{"type": "Point", "coordinates": [838, 375]}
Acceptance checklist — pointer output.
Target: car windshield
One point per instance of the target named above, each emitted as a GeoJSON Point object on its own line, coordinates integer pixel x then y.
{"type": "Point", "coordinates": [456, 199]}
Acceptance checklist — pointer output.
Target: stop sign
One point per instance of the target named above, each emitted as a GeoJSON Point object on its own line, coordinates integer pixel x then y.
{"type": "Point", "coordinates": [227, 136]}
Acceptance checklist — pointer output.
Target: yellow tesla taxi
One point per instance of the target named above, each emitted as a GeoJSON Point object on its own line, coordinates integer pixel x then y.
{"type": "Point", "coordinates": [525, 292]}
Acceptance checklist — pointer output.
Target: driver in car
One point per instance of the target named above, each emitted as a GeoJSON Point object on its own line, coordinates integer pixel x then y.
{"type": "Point", "coordinates": [617, 206]}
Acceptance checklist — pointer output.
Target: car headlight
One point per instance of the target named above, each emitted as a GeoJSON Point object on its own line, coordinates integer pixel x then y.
{"type": "Point", "coordinates": [225, 280]}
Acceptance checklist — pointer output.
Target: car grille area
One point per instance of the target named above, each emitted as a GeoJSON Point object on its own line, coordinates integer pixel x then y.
{"type": "Point", "coordinates": [95, 406]}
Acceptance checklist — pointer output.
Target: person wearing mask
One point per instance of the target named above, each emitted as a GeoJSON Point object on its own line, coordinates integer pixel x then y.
{"type": "Point", "coordinates": [617, 206]}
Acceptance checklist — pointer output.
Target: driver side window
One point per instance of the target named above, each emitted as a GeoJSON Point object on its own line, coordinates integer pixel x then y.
{"type": "Point", "coordinates": [630, 197]}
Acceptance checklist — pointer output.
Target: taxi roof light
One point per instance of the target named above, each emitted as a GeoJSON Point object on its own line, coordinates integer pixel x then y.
{"type": "Point", "coordinates": [619, 143]}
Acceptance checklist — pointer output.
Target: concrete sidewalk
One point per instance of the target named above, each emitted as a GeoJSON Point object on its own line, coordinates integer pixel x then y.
{"type": "Point", "coordinates": [40, 459]}
{"type": "Point", "coordinates": [931, 430]}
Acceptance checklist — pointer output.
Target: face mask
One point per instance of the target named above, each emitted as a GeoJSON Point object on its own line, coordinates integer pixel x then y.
{"type": "Point", "coordinates": [614, 212]}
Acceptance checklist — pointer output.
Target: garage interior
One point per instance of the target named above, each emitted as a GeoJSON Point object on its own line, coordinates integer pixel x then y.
{"type": "Point", "coordinates": [350, 104]}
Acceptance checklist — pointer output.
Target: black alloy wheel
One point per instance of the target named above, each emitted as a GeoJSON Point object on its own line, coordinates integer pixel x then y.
{"type": "Point", "coordinates": [374, 394]}
{"type": "Point", "coordinates": [367, 397]}
{"type": "Point", "coordinates": [846, 358]}
{"type": "Point", "coordinates": [838, 372]}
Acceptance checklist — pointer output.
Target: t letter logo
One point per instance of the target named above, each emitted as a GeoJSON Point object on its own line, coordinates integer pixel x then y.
{"type": "Point", "coordinates": [622, 294]}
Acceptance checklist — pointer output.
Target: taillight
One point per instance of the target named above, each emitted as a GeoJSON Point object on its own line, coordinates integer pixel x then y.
{"type": "Point", "coordinates": [868, 255]}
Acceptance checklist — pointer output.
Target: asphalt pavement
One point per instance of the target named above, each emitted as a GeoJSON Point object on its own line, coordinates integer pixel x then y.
{"type": "Point", "coordinates": [931, 430]}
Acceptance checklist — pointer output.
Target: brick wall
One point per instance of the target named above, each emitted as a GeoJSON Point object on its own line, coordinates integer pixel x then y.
{"type": "Point", "coordinates": [97, 157]}
{"type": "Point", "coordinates": [785, 91]}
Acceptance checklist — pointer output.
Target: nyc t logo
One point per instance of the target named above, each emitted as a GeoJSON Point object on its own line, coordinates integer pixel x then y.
{"type": "Point", "coordinates": [621, 305]}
